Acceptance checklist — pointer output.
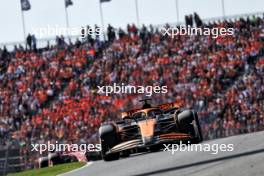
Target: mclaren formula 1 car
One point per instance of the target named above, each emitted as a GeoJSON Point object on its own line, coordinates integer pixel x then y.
{"type": "Point", "coordinates": [148, 128]}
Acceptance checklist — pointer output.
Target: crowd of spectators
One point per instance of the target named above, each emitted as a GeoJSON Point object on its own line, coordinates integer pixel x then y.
{"type": "Point", "coordinates": [31, 79]}
{"type": "Point", "coordinates": [51, 94]}
{"type": "Point", "coordinates": [241, 107]}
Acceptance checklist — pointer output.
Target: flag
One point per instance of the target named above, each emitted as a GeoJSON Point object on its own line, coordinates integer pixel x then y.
{"type": "Point", "coordinates": [68, 3]}
{"type": "Point", "coordinates": [25, 5]}
{"type": "Point", "coordinates": [101, 1]}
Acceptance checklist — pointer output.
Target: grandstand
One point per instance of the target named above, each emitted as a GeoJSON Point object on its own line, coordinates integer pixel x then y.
{"type": "Point", "coordinates": [50, 93]}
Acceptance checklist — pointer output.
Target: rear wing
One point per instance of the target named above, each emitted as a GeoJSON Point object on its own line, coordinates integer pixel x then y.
{"type": "Point", "coordinates": [128, 113]}
{"type": "Point", "coordinates": [163, 107]}
{"type": "Point", "coordinates": [167, 106]}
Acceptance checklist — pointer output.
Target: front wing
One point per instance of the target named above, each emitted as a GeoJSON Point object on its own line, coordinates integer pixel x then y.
{"type": "Point", "coordinates": [160, 139]}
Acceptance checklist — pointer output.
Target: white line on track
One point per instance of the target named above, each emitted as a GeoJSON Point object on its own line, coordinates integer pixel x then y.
{"type": "Point", "coordinates": [86, 165]}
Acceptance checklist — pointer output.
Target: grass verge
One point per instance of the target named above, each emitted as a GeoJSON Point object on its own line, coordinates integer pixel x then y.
{"type": "Point", "coordinates": [50, 171]}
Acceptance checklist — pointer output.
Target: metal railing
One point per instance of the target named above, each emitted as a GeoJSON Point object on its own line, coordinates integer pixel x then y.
{"type": "Point", "coordinates": [11, 160]}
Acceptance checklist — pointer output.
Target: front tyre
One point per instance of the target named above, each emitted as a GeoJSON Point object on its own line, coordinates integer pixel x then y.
{"type": "Point", "coordinates": [108, 139]}
{"type": "Point", "coordinates": [197, 128]}
{"type": "Point", "coordinates": [189, 123]}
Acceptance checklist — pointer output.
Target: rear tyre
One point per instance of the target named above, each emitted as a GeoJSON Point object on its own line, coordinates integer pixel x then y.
{"type": "Point", "coordinates": [189, 123]}
{"type": "Point", "coordinates": [125, 154]}
{"type": "Point", "coordinates": [154, 148]}
{"type": "Point", "coordinates": [108, 139]}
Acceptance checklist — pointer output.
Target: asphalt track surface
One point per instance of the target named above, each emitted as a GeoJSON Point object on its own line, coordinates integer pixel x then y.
{"type": "Point", "coordinates": [247, 159]}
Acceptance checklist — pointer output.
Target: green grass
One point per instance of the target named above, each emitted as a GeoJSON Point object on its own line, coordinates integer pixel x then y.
{"type": "Point", "coordinates": [50, 171]}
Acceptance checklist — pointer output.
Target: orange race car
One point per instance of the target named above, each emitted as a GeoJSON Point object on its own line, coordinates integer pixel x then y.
{"type": "Point", "coordinates": [147, 129]}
